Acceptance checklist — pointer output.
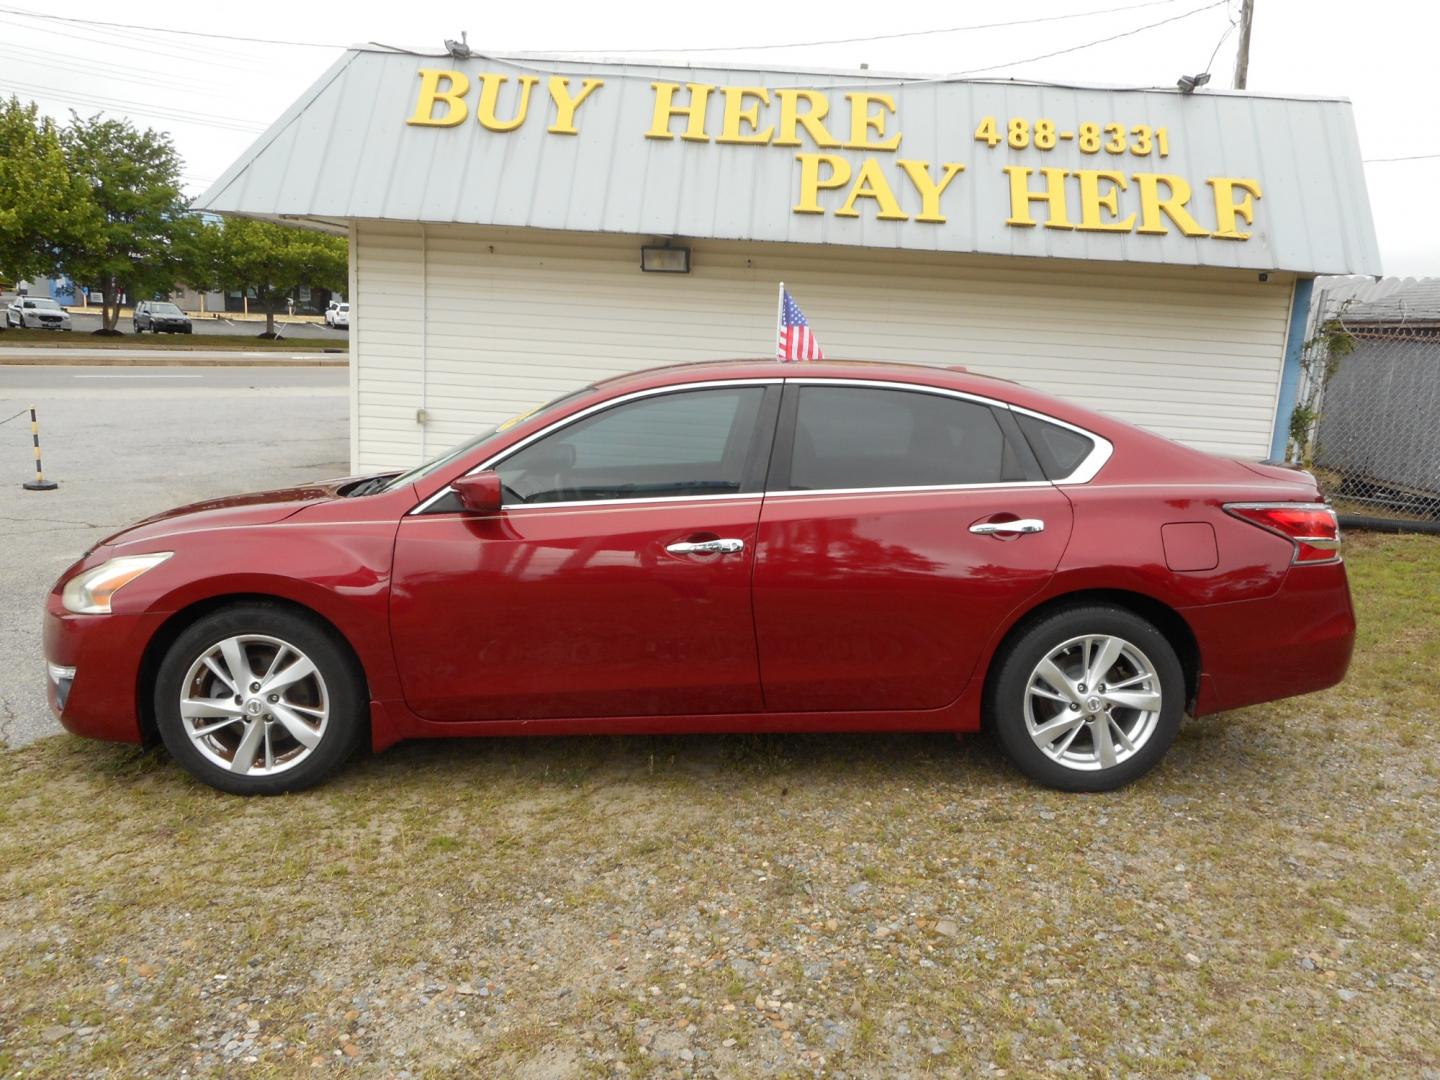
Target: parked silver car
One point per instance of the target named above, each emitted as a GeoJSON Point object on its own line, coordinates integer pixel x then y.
{"type": "Point", "coordinates": [36, 313]}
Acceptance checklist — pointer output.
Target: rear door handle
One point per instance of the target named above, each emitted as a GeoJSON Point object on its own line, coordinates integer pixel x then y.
{"type": "Point", "coordinates": [1021, 525]}
{"type": "Point", "coordinates": [707, 547]}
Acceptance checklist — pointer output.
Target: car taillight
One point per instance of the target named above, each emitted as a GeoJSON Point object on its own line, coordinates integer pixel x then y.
{"type": "Point", "coordinates": [1311, 527]}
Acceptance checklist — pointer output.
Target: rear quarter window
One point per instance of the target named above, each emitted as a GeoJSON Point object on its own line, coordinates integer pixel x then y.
{"type": "Point", "coordinates": [1059, 449]}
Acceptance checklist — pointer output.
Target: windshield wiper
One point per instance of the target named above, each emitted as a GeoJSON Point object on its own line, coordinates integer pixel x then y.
{"type": "Point", "coordinates": [369, 487]}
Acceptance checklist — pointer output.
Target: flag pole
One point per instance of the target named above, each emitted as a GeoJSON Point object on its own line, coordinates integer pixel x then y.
{"type": "Point", "coordinates": [779, 316]}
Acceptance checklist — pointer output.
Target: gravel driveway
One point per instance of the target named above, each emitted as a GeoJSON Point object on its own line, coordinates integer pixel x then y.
{"type": "Point", "coordinates": [1264, 904]}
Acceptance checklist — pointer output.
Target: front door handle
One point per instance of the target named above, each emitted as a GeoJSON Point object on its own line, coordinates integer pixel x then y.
{"type": "Point", "coordinates": [1020, 525]}
{"type": "Point", "coordinates": [707, 547]}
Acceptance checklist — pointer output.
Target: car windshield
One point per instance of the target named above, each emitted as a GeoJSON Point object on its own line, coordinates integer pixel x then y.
{"type": "Point", "coordinates": [455, 454]}
{"type": "Point", "coordinates": [49, 305]}
{"type": "Point", "coordinates": [165, 309]}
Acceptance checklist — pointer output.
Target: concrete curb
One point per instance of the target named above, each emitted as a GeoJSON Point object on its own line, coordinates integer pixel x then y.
{"type": "Point", "coordinates": [73, 344]}
{"type": "Point", "coordinates": [58, 359]}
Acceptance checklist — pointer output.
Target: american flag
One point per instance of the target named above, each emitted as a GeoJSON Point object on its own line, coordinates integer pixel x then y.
{"type": "Point", "coordinates": [795, 340]}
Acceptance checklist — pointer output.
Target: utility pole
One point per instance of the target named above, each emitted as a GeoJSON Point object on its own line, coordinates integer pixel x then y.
{"type": "Point", "coordinates": [1242, 55]}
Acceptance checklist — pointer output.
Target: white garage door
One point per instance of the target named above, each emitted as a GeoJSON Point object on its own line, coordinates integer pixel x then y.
{"type": "Point", "coordinates": [474, 325]}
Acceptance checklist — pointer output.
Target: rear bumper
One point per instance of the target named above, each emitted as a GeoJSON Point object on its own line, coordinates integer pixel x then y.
{"type": "Point", "coordinates": [104, 652]}
{"type": "Point", "coordinates": [1296, 641]}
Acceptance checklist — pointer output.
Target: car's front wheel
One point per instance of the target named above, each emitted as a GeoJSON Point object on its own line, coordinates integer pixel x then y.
{"type": "Point", "coordinates": [258, 700]}
{"type": "Point", "coordinates": [1087, 698]}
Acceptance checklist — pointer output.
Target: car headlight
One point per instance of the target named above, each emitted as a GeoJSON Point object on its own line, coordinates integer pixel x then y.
{"type": "Point", "coordinates": [89, 592]}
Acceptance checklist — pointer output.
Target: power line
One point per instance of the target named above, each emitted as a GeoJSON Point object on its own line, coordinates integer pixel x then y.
{"type": "Point", "coordinates": [170, 30]}
{"type": "Point", "coordinates": [867, 82]}
{"type": "Point", "coordinates": [1092, 44]}
{"type": "Point", "coordinates": [871, 37]}
{"type": "Point", "coordinates": [1407, 157]}
{"type": "Point", "coordinates": [73, 35]}
{"type": "Point", "coordinates": [137, 107]}
{"type": "Point", "coordinates": [1223, 38]}
{"type": "Point", "coordinates": [117, 72]}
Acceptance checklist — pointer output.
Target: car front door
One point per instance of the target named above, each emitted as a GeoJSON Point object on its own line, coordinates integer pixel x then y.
{"type": "Point", "coordinates": [884, 560]}
{"type": "Point", "coordinates": [614, 582]}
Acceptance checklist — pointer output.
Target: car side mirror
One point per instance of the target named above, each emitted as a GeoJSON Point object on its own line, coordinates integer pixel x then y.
{"type": "Point", "coordinates": [479, 493]}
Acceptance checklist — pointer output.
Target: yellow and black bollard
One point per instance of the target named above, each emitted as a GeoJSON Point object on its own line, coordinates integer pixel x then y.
{"type": "Point", "coordinates": [39, 483]}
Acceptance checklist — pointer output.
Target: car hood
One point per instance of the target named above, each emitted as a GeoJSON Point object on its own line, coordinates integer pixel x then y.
{"type": "Point", "coordinates": [257, 508]}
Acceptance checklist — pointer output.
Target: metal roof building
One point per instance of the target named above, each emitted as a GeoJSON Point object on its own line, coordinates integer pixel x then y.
{"type": "Point", "coordinates": [1145, 252]}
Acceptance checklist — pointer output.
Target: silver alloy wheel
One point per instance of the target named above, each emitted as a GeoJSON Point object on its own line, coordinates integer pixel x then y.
{"type": "Point", "coordinates": [1092, 702]}
{"type": "Point", "coordinates": [254, 705]}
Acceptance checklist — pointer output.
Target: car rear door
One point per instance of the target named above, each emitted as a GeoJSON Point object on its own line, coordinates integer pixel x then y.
{"type": "Point", "coordinates": [901, 526]}
{"type": "Point", "coordinates": [616, 580]}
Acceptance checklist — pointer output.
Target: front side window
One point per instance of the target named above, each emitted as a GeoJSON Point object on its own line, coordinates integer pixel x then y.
{"type": "Point", "coordinates": [455, 453]}
{"type": "Point", "coordinates": [864, 437]}
{"type": "Point", "coordinates": [694, 442]}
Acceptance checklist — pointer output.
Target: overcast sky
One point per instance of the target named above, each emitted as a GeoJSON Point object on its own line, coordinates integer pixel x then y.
{"type": "Point", "coordinates": [216, 95]}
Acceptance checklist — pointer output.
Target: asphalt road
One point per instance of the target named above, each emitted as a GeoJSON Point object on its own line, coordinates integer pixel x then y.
{"type": "Point", "coordinates": [124, 444]}
{"type": "Point", "coordinates": [84, 324]}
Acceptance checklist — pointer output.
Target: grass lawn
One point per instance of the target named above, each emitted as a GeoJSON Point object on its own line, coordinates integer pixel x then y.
{"type": "Point", "coordinates": [1266, 903]}
{"type": "Point", "coordinates": [60, 340]}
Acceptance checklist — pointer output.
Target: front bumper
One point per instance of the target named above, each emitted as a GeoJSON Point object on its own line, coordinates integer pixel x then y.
{"type": "Point", "coordinates": [93, 666]}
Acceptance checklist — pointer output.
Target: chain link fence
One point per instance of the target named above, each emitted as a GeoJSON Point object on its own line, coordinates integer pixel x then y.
{"type": "Point", "coordinates": [1368, 418]}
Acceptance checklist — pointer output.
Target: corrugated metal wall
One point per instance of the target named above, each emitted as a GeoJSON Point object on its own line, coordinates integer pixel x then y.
{"type": "Point", "coordinates": [344, 151]}
{"type": "Point", "coordinates": [474, 325]}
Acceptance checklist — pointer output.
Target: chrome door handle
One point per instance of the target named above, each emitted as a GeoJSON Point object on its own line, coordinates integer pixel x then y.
{"type": "Point", "coordinates": [707, 547]}
{"type": "Point", "coordinates": [1022, 525]}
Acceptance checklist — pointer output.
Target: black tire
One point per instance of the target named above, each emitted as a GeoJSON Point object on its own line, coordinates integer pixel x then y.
{"type": "Point", "coordinates": [1005, 703]}
{"type": "Point", "coordinates": [344, 731]}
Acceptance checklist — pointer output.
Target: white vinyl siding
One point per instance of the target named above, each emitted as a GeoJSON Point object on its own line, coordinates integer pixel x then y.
{"type": "Point", "coordinates": [474, 325]}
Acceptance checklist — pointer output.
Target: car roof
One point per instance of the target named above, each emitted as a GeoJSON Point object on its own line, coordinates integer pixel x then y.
{"type": "Point", "coordinates": [955, 377]}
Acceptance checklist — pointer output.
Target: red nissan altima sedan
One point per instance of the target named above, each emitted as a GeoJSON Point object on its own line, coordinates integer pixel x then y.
{"type": "Point", "coordinates": [734, 546]}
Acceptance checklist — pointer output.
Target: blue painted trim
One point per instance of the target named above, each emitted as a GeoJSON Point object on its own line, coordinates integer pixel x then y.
{"type": "Point", "coordinates": [1290, 372]}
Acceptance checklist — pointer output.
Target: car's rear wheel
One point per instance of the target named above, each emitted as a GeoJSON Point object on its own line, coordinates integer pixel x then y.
{"type": "Point", "coordinates": [258, 700]}
{"type": "Point", "coordinates": [1087, 699]}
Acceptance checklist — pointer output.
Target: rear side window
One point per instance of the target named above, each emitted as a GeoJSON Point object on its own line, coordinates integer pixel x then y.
{"type": "Point", "coordinates": [1059, 449]}
{"type": "Point", "coordinates": [863, 437]}
{"type": "Point", "coordinates": [694, 442]}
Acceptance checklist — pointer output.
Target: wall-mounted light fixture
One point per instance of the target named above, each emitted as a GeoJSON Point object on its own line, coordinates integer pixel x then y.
{"type": "Point", "coordinates": [665, 260]}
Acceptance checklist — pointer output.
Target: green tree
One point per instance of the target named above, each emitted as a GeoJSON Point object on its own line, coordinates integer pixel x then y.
{"type": "Point", "coordinates": [43, 204]}
{"type": "Point", "coordinates": [142, 241]}
{"type": "Point", "coordinates": [275, 260]}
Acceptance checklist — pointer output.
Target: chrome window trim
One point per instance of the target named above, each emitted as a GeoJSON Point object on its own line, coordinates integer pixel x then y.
{"type": "Point", "coordinates": [1082, 474]}
{"type": "Point", "coordinates": [1092, 462]}
{"type": "Point", "coordinates": [622, 504]}
{"type": "Point", "coordinates": [918, 489]}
